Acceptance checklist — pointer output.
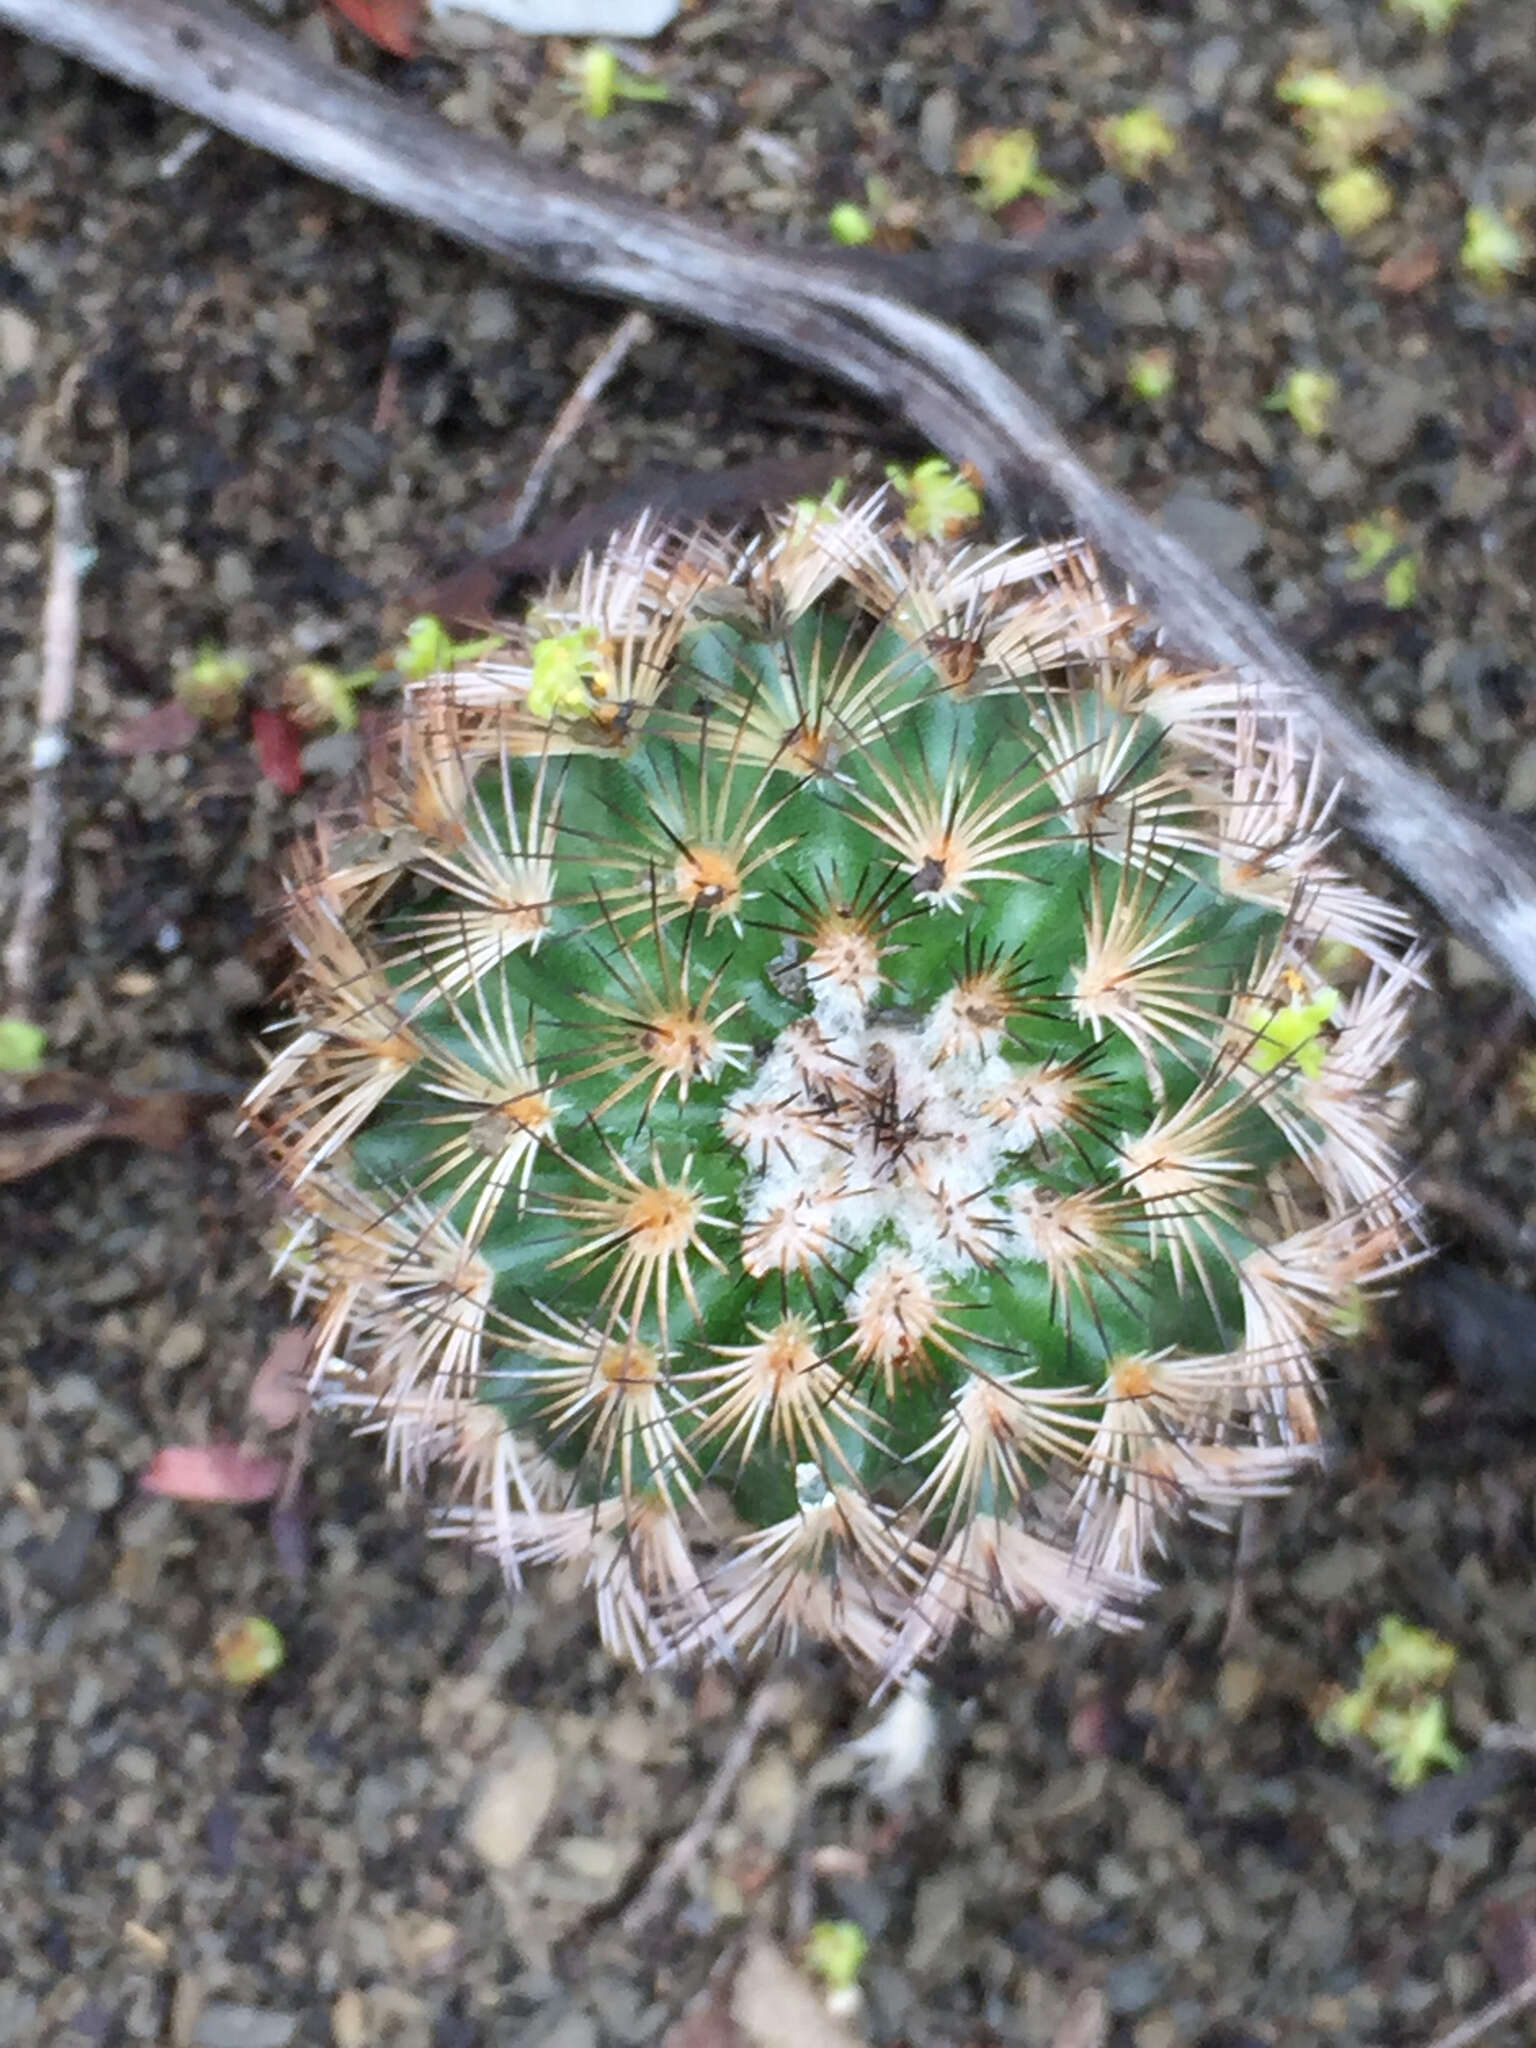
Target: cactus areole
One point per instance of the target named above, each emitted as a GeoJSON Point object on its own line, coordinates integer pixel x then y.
{"type": "Point", "coordinates": [836, 1087]}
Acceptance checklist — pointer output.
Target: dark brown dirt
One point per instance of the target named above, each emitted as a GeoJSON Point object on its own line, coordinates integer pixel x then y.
{"type": "Point", "coordinates": [1153, 1818]}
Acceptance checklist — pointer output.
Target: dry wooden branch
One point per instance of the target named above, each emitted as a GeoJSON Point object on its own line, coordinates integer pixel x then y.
{"type": "Point", "coordinates": [1478, 869]}
{"type": "Point", "coordinates": [633, 328]}
{"type": "Point", "coordinates": [50, 742]}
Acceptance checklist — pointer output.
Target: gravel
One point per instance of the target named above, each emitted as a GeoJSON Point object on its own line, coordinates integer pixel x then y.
{"type": "Point", "coordinates": [423, 1827]}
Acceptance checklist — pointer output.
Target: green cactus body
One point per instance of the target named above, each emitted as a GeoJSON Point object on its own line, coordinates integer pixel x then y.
{"type": "Point", "coordinates": [813, 1091]}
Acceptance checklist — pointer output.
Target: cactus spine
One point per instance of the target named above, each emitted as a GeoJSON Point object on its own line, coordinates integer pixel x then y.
{"type": "Point", "coordinates": [822, 1089]}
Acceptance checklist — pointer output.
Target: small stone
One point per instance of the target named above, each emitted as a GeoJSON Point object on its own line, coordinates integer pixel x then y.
{"type": "Point", "coordinates": [572, 2030]}
{"type": "Point", "coordinates": [120, 1282]}
{"type": "Point", "coordinates": [223, 2025]}
{"type": "Point", "coordinates": [1130, 1987]}
{"type": "Point", "coordinates": [1330, 1574]}
{"type": "Point", "coordinates": [490, 315]}
{"type": "Point", "coordinates": [181, 1346]}
{"type": "Point", "coordinates": [1520, 783]}
{"type": "Point", "coordinates": [1239, 1687]}
{"type": "Point", "coordinates": [1159, 2031]}
{"type": "Point", "coordinates": [1065, 1902]}
{"type": "Point", "coordinates": [19, 337]}
{"type": "Point", "coordinates": [233, 580]}
{"type": "Point", "coordinates": [936, 125]}
{"type": "Point", "coordinates": [938, 1913]}
{"type": "Point", "coordinates": [237, 985]}
{"type": "Point", "coordinates": [58, 1565]}
{"type": "Point", "coordinates": [1466, 968]}
{"type": "Point", "coordinates": [73, 1393]}
{"type": "Point", "coordinates": [349, 2021]}
{"type": "Point", "coordinates": [601, 1861]}
{"type": "Point", "coordinates": [1220, 535]}
{"type": "Point", "coordinates": [515, 1794]}
{"type": "Point", "coordinates": [103, 1484]}
{"type": "Point", "coordinates": [333, 753]}
{"type": "Point", "coordinates": [768, 1802]}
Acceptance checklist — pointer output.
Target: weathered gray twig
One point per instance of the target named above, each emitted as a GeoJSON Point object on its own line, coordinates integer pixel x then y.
{"type": "Point", "coordinates": [50, 742]}
{"type": "Point", "coordinates": [1478, 869]}
{"type": "Point", "coordinates": [633, 328]}
{"type": "Point", "coordinates": [770, 1703]}
{"type": "Point", "coordinates": [1520, 1998]}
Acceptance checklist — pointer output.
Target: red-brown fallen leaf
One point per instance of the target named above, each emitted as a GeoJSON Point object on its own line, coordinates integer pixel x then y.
{"type": "Point", "coordinates": [279, 1394]}
{"type": "Point", "coordinates": [47, 1115]}
{"type": "Point", "coordinates": [389, 23]}
{"type": "Point", "coordinates": [167, 728]}
{"type": "Point", "coordinates": [212, 1472]}
{"type": "Point", "coordinates": [277, 740]}
{"type": "Point", "coordinates": [1409, 269]}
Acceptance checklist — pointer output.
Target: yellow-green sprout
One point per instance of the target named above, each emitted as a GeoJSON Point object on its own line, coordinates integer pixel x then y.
{"type": "Point", "coordinates": [211, 685]}
{"type": "Point", "coordinates": [249, 1650]}
{"type": "Point", "coordinates": [1355, 199]}
{"type": "Point", "coordinates": [1308, 396]}
{"type": "Point", "coordinates": [21, 1045]}
{"type": "Point", "coordinates": [1397, 1707]}
{"type": "Point", "coordinates": [1341, 121]}
{"type": "Point", "coordinates": [1351, 1316]}
{"type": "Point", "coordinates": [600, 81]}
{"type": "Point", "coordinates": [322, 695]}
{"type": "Point", "coordinates": [834, 1955]}
{"type": "Point", "coordinates": [850, 224]}
{"type": "Point", "coordinates": [1379, 545]}
{"type": "Point", "coordinates": [1149, 375]}
{"type": "Point", "coordinates": [1292, 1033]}
{"type": "Point", "coordinates": [428, 649]}
{"type": "Point", "coordinates": [1404, 1658]}
{"type": "Point", "coordinates": [1136, 141]}
{"type": "Point", "coordinates": [941, 502]}
{"type": "Point", "coordinates": [1434, 15]}
{"type": "Point", "coordinates": [1005, 163]}
{"type": "Point", "coordinates": [564, 668]}
{"type": "Point", "coordinates": [1493, 248]}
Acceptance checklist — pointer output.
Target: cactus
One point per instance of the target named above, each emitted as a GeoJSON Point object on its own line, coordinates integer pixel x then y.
{"type": "Point", "coordinates": [816, 1091]}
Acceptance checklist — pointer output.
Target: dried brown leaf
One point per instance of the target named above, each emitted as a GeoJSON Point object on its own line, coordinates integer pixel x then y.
{"type": "Point", "coordinates": [45, 1116]}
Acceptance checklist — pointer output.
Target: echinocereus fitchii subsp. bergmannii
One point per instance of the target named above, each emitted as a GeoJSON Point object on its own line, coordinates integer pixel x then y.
{"type": "Point", "coordinates": [837, 1087]}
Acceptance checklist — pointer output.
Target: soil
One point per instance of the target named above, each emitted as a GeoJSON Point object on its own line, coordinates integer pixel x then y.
{"type": "Point", "coordinates": [290, 410]}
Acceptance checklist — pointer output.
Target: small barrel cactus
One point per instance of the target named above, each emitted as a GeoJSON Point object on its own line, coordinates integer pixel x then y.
{"type": "Point", "coordinates": [837, 1087]}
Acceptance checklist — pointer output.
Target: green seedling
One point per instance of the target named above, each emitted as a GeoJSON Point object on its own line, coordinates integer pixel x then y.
{"type": "Point", "coordinates": [601, 82]}
{"type": "Point", "coordinates": [1005, 164]}
{"type": "Point", "coordinates": [22, 1045]}
{"type": "Point", "coordinates": [1309, 397]}
{"type": "Point", "coordinates": [1398, 1706]}
{"type": "Point", "coordinates": [1136, 142]}
{"type": "Point", "coordinates": [1381, 550]}
{"type": "Point", "coordinates": [1150, 375]}
{"type": "Point", "coordinates": [1355, 200]}
{"type": "Point", "coordinates": [428, 649]}
{"type": "Point", "coordinates": [211, 685]}
{"type": "Point", "coordinates": [1342, 121]}
{"type": "Point", "coordinates": [1494, 248]}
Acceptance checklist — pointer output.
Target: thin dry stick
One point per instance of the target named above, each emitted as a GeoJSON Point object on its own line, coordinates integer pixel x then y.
{"type": "Point", "coordinates": [633, 329]}
{"type": "Point", "coordinates": [1478, 869]}
{"type": "Point", "coordinates": [769, 1703]}
{"type": "Point", "coordinates": [1513, 2003]}
{"type": "Point", "coordinates": [50, 743]}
